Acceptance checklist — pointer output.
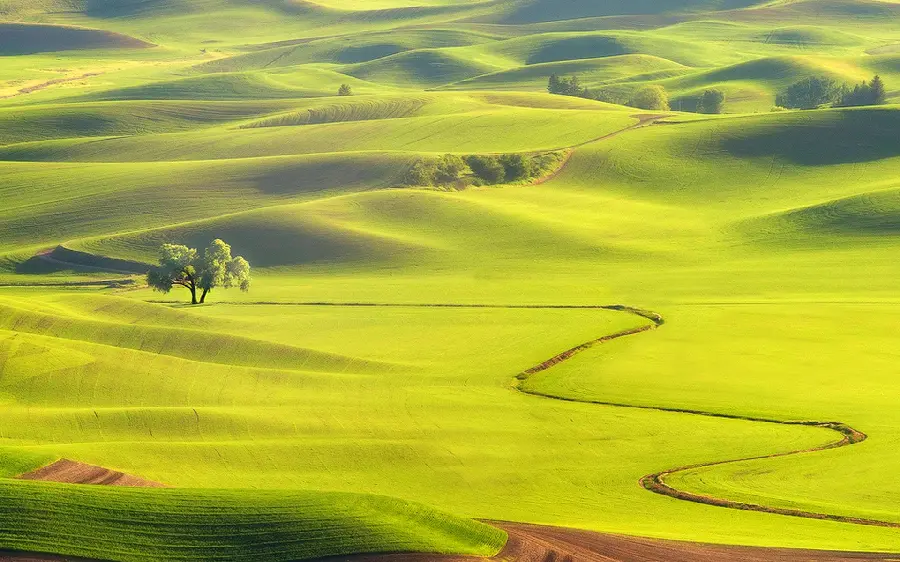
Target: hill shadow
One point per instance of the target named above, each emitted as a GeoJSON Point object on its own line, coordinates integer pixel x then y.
{"type": "Point", "coordinates": [819, 139]}
{"type": "Point", "coordinates": [62, 259]}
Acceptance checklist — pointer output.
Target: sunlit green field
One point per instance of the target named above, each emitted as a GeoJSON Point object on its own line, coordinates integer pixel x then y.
{"type": "Point", "coordinates": [293, 423]}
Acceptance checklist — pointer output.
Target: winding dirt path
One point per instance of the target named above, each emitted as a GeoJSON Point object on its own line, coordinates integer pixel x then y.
{"type": "Point", "coordinates": [539, 543]}
{"type": "Point", "coordinates": [656, 482]}
{"type": "Point", "coordinates": [644, 120]}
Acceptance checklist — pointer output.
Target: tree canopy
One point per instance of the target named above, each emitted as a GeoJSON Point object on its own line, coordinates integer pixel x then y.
{"type": "Point", "coordinates": [566, 86]}
{"type": "Point", "coordinates": [864, 93]}
{"type": "Point", "coordinates": [711, 102]}
{"type": "Point", "coordinates": [809, 93]}
{"type": "Point", "coordinates": [817, 91]}
{"type": "Point", "coordinates": [186, 267]}
{"type": "Point", "coordinates": [652, 97]}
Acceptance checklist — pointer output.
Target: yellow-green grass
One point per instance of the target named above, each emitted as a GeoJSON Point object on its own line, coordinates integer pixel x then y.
{"type": "Point", "coordinates": [123, 118]}
{"type": "Point", "coordinates": [451, 433]}
{"type": "Point", "coordinates": [345, 50]}
{"type": "Point", "coordinates": [534, 11]}
{"type": "Point", "coordinates": [76, 201]}
{"type": "Point", "coordinates": [767, 242]}
{"type": "Point", "coordinates": [591, 73]}
{"type": "Point", "coordinates": [523, 129]}
{"type": "Point", "coordinates": [227, 525]}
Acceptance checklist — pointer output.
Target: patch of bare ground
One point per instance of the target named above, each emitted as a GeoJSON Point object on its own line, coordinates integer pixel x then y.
{"type": "Point", "coordinates": [73, 472]}
{"type": "Point", "coordinates": [538, 543]}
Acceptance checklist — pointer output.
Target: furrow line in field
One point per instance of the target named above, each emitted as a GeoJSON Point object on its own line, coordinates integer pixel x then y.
{"type": "Point", "coordinates": [656, 482]}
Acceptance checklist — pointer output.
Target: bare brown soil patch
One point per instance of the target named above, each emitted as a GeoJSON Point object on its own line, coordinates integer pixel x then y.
{"type": "Point", "coordinates": [73, 472]}
{"type": "Point", "coordinates": [538, 543]}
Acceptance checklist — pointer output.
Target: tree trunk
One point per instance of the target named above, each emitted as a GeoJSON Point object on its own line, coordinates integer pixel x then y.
{"type": "Point", "coordinates": [203, 296]}
{"type": "Point", "coordinates": [193, 289]}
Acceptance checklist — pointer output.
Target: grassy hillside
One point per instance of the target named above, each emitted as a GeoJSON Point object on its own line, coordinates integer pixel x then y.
{"type": "Point", "coordinates": [365, 395]}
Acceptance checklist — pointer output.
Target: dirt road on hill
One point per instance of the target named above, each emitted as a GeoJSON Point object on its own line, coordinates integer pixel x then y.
{"type": "Point", "coordinates": [538, 543]}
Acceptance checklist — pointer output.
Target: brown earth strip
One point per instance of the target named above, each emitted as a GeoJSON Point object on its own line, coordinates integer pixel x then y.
{"type": "Point", "coordinates": [539, 543]}
{"type": "Point", "coordinates": [552, 175]}
{"type": "Point", "coordinates": [73, 472]}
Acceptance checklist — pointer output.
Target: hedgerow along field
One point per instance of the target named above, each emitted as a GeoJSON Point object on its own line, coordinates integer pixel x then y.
{"type": "Point", "coordinates": [291, 422]}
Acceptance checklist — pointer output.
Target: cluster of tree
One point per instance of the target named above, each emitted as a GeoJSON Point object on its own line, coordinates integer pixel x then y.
{"type": "Point", "coordinates": [654, 97]}
{"type": "Point", "coordinates": [566, 86]}
{"type": "Point", "coordinates": [186, 267]}
{"type": "Point", "coordinates": [477, 169]}
{"type": "Point", "coordinates": [818, 91]}
{"type": "Point", "coordinates": [345, 90]}
{"type": "Point", "coordinates": [864, 93]}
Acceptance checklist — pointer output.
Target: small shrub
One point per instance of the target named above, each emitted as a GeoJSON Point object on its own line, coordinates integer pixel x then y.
{"type": "Point", "coordinates": [487, 168]}
{"type": "Point", "coordinates": [449, 168]}
{"type": "Point", "coordinates": [516, 167]}
{"type": "Point", "coordinates": [345, 90]}
{"type": "Point", "coordinates": [422, 173]}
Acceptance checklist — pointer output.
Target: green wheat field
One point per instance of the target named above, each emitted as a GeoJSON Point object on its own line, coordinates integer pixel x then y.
{"type": "Point", "coordinates": [291, 422]}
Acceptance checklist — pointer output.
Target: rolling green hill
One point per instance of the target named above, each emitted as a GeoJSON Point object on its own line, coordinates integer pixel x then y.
{"type": "Point", "coordinates": [413, 358]}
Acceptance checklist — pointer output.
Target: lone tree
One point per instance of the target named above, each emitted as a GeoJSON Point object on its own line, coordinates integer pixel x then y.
{"type": "Point", "coordinates": [345, 90]}
{"type": "Point", "coordinates": [651, 97]}
{"type": "Point", "coordinates": [183, 266]}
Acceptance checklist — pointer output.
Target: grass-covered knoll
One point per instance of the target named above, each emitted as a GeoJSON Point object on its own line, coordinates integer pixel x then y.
{"type": "Point", "coordinates": [214, 87]}
{"type": "Point", "coordinates": [345, 50]}
{"type": "Point", "coordinates": [123, 118]}
{"type": "Point", "coordinates": [77, 201]}
{"type": "Point", "coordinates": [592, 72]}
{"type": "Point", "coordinates": [534, 11]}
{"type": "Point", "coordinates": [422, 68]}
{"type": "Point", "coordinates": [523, 129]}
{"type": "Point", "coordinates": [222, 525]}
{"type": "Point", "coordinates": [26, 39]}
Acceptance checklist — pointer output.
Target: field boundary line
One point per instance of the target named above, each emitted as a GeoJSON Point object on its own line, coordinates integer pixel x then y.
{"type": "Point", "coordinates": [656, 482]}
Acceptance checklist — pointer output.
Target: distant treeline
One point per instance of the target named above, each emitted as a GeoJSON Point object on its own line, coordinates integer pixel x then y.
{"type": "Point", "coordinates": [451, 170]}
{"type": "Point", "coordinates": [653, 97]}
{"type": "Point", "coordinates": [818, 91]}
